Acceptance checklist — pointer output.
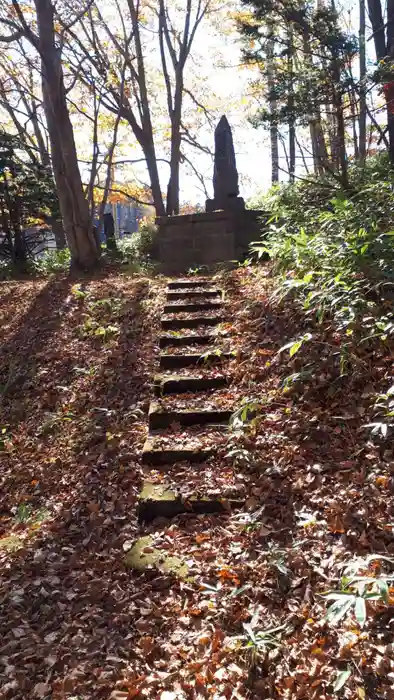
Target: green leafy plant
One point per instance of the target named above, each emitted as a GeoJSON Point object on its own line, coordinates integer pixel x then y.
{"type": "Point", "coordinates": [245, 414]}
{"type": "Point", "coordinates": [111, 305]}
{"type": "Point", "coordinates": [3, 433]}
{"type": "Point", "coordinates": [240, 456]}
{"type": "Point", "coordinates": [25, 514]}
{"type": "Point", "coordinates": [355, 592]}
{"type": "Point", "coordinates": [213, 352]}
{"type": "Point", "coordinates": [52, 261]}
{"type": "Point", "coordinates": [298, 377]}
{"type": "Point", "coordinates": [260, 641]}
{"type": "Point", "coordinates": [341, 679]}
{"type": "Point", "coordinates": [94, 329]}
{"type": "Point", "coordinates": [333, 253]}
{"type": "Point", "coordinates": [78, 292]}
{"type": "Point", "coordinates": [198, 270]}
{"type": "Point", "coordinates": [140, 249]}
{"type": "Point", "coordinates": [295, 345]}
{"type": "Point", "coordinates": [384, 411]}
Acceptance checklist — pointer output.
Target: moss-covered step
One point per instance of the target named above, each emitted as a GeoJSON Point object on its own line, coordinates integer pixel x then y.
{"type": "Point", "coordinates": [185, 284]}
{"type": "Point", "coordinates": [144, 556]}
{"type": "Point", "coordinates": [166, 341]}
{"type": "Point", "coordinates": [195, 322]}
{"type": "Point", "coordinates": [153, 455]}
{"type": "Point", "coordinates": [194, 294]}
{"type": "Point", "coordinates": [160, 418]}
{"type": "Point", "coordinates": [193, 306]}
{"type": "Point", "coordinates": [161, 501]}
{"type": "Point", "coordinates": [210, 357]}
{"type": "Point", "coordinates": [163, 385]}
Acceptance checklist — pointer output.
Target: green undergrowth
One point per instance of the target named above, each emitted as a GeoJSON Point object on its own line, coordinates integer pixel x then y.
{"type": "Point", "coordinates": [332, 253]}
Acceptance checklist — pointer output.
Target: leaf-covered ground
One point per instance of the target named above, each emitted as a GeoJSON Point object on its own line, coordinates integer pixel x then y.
{"type": "Point", "coordinates": [247, 619]}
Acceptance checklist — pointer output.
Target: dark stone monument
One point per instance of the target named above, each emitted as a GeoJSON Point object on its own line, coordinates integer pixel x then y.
{"type": "Point", "coordinates": [109, 231]}
{"type": "Point", "coordinates": [225, 175]}
{"type": "Point", "coordinates": [220, 234]}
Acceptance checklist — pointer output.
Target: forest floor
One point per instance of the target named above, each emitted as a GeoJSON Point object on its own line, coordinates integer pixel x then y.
{"type": "Point", "coordinates": [249, 619]}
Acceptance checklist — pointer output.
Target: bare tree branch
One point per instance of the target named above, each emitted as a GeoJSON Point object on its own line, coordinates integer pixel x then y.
{"type": "Point", "coordinates": [125, 194]}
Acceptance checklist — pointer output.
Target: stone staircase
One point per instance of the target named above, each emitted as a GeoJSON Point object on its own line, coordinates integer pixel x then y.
{"type": "Point", "coordinates": [192, 313]}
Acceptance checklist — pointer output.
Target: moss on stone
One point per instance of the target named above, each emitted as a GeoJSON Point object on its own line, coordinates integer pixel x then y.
{"type": "Point", "coordinates": [154, 558]}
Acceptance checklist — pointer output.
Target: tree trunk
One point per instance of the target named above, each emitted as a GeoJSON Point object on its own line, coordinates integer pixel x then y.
{"type": "Point", "coordinates": [384, 49]}
{"type": "Point", "coordinates": [353, 112]}
{"type": "Point", "coordinates": [73, 205]}
{"type": "Point", "coordinates": [290, 106]}
{"type": "Point", "coordinates": [340, 123]}
{"type": "Point", "coordinates": [58, 232]}
{"type": "Point", "coordinates": [319, 148]}
{"type": "Point", "coordinates": [147, 144]}
{"type": "Point", "coordinates": [173, 186]}
{"type": "Point", "coordinates": [362, 120]}
{"type": "Point", "coordinates": [390, 53]}
{"type": "Point", "coordinates": [151, 162]}
{"type": "Point", "coordinates": [18, 243]}
{"type": "Point", "coordinates": [339, 141]}
{"type": "Point", "coordinates": [273, 107]}
{"type": "Point", "coordinates": [376, 17]}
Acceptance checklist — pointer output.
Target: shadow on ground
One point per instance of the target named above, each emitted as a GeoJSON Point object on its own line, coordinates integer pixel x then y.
{"type": "Point", "coordinates": [75, 413]}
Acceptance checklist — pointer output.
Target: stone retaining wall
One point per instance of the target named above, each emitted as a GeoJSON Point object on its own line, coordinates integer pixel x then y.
{"type": "Point", "coordinates": [193, 240]}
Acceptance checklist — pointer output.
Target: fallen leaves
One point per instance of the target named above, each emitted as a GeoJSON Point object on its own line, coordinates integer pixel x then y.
{"type": "Point", "coordinates": [317, 498]}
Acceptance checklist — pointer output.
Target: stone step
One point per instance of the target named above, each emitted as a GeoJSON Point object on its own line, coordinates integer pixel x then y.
{"type": "Point", "coordinates": [160, 418]}
{"type": "Point", "coordinates": [161, 501]}
{"type": "Point", "coordinates": [179, 340]}
{"type": "Point", "coordinates": [175, 323]}
{"type": "Point", "coordinates": [192, 359]}
{"type": "Point", "coordinates": [189, 284]}
{"type": "Point", "coordinates": [194, 294]}
{"type": "Point", "coordinates": [189, 308]}
{"type": "Point", "coordinates": [143, 556]}
{"type": "Point", "coordinates": [155, 456]}
{"type": "Point", "coordinates": [163, 385]}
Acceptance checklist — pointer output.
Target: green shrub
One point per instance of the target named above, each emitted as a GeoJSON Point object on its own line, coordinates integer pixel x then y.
{"type": "Point", "coordinates": [139, 251]}
{"type": "Point", "coordinates": [5, 270]}
{"type": "Point", "coordinates": [140, 247]}
{"type": "Point", "coordinates": [52, 261]}
{"type": "Point", "coordinates": [333, 251]}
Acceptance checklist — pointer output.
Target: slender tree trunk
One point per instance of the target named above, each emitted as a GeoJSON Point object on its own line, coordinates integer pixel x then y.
{"type": "Point", "coordinates": [95, 152]}
{"type": "Point", "coordinates": [362, 120]}
{"type": "Point", "coordinates": [315, 149]}
{"type": "Point", "coordinates": [353, 112]}
{"type": "Point", "coordinates": [301, 150]}
{"type": "Point", "coordinates": [339, 125]}
{"type": "Point", "coordinates": [151, 163]}
{"type": "Point", "coordinates": [148, 144]}
{"type": "Point", "coordinates": [73, 205]}
{"type": "Point", "coordinates": [376, 18]}
{"type": "Point", "coordinates": [274, 154]}
{"type": "Point", "coordinates": [384, 50]}
{"type": "Point", "coordinates": [18, 243]}
{"type": "Point", "coordinates": [390, 53]}
{"type": "Point", "coordinates": [58, 232]}
{"type": "Point", "coordinates": [319, 148]}
{"type": "Point", "coordinates": [273, 107]}
{"type": "Point", "coordinates": [341, 139]}
{"type": "Point", "coordinates": [290, 106]}
{"type": "Point", "coordinates": [108, 176]}
{"type": "Point", "coordinates": [44, 154]}
{"type": "Point", "coordinates": [173, 186]}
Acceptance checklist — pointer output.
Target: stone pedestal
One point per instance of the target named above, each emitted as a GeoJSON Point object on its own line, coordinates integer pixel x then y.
{"type": "Point", "coordinates": [231, 204]}
{"type": "Point", "coordinates": [193, 240]}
